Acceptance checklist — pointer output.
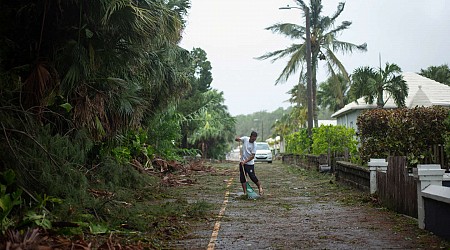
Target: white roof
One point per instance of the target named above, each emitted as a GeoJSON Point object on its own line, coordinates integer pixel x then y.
{"type": "Point", "coordinates": [422, 92]}
{"type": "Point", "coordinates": [327, 122]}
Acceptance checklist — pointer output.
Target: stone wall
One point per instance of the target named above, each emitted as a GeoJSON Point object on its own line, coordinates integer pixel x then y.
{"type": "Point", "coordinates": [346, 172]}
{"type": "Point", "coordinates": [305, 161]}
{"type": "Point", "coordinates": [353, 175]}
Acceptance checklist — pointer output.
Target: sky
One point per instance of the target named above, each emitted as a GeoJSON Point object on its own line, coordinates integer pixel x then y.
{"type": "Point", "coordinates": [413, 34]}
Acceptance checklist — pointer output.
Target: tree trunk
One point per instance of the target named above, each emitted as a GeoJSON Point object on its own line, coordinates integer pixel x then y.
{"type": "Point", "coordinates": [380, 101]}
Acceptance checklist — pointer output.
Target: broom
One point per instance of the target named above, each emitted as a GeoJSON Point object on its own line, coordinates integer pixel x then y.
{"type": "Point", "coordinates": [251, 194]}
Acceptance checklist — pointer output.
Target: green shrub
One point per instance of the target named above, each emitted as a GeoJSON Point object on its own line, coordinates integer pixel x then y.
{"type": "Point", "coordinates": [337, 139]}
{"type": "Point", "coordinates": [298, 142]}
{"type": "Point", "coordinates": [447, 138]}
{"type": "Point", "coordinates": [401, 132]}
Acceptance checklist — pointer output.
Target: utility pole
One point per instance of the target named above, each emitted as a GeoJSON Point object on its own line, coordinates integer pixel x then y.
{"type": "Point", "coordinates": [262, 130]}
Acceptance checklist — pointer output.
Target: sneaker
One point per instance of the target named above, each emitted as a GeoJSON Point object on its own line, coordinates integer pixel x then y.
{"type": "Point", "coordinates": [261, 191]}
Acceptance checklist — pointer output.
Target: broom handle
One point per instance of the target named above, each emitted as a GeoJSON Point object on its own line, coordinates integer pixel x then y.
{"type": "Point", "coordinates": [241, 165]}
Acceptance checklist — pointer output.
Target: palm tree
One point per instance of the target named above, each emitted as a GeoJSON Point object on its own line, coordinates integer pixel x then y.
{"type": "Point", "coordinates": [438, 73]}
{"type": "Point", "coordinates": [215, 126]}
{"type": "Point", "coordinates": [324, 45]}
{"type": "Point", "coordinates": [333, 93]}
{"type": "Point", "coordinates": [299, 95]}
{"type": "Point", "coordinates": [114, 62]}
{"type": "Point", "coordinates": [370, 84]}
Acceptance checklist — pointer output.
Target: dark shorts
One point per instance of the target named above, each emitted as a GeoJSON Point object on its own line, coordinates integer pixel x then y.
{"type": "Point", "coordinates": [249, 171]}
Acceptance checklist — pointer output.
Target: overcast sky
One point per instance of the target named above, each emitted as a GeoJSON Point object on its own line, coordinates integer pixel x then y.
{"type": "Point", "coordinates": [414, 34]}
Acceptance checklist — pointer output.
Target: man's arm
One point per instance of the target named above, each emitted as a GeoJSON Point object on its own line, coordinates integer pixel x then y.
{"type": "Point", "coordinates": [249, 159]}
{"type": "Point", "coordinates": [238, 139]}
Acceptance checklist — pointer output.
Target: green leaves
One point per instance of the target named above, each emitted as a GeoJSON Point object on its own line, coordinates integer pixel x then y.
{"type": "Point", "coordinates": [38, 219]}
{"type": "Point", "coordinates": [438, 73]}
{"type": "Point", "coordinates": [98, 229]}
{"type": "Point", "coordinates": [371, 84]}
{"type": "Point", "coordinates": [324, 46]}
{"type": "Point", "coordinates": [9, 198]}
{"type": "Point", "coordinates": [337, 139]}
{"type": "Point", "coordinates": [298, 142]}
{"type": "Point", "coordinates": [402, 132]}
{"type": "Point", "coordinates": [66, 106]}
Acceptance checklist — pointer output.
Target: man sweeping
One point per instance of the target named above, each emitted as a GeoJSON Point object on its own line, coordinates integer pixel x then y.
{"type": "Point", "coordinates": [247, 163]}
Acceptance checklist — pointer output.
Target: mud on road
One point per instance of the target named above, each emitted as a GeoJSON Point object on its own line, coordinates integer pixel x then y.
{"type": "Point", "coordinates": [301, 209]}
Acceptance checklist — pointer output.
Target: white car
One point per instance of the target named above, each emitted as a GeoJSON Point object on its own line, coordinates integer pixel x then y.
{"type": "Point", "coordinates": [263, 153]}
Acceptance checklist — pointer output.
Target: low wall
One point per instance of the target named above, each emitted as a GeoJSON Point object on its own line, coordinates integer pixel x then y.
{"type": "Point", "coordinates": [436, 200]}
{"type": "Point", "coordinates": [305, 161]}
{"type": "Point", "coordinates": [346, 172]}
{"type": "Point", "coordinates": [433, 199]}
{"type": "Point", "coordinates": [353, 175]}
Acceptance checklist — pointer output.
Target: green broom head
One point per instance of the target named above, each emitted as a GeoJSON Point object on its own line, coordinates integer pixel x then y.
{"type": "Point", "coordinates": [251, 194]}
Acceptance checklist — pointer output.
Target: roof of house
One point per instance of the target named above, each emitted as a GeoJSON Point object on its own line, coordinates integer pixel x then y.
{"type": "Point", "coordinates": [422, 92]}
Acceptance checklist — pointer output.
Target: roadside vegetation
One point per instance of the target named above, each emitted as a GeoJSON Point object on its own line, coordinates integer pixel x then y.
{"type": "Point", "coordinates": [100, 106]}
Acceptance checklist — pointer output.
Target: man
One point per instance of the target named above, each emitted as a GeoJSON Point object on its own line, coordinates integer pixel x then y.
{"type": "Point", "coordinates": [247, 163]}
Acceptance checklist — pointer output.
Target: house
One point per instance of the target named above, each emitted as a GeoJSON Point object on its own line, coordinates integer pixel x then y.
{"type": "Point", "coordinates": [327, 122]}
{"type": "Point", "coordinates": [422, 92]}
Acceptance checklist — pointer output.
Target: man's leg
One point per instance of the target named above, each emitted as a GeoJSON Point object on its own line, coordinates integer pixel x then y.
{"type": "Point", "coordinates": [242, 178]}
{"type": "Point", "coordinates": [260, 189]}
{"type": "Point", "coordinates": [251, 173]}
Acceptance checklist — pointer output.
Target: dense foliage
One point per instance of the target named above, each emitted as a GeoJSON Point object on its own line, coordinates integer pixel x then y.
{"type": "Point", "coordinates": [334, 139]}
{"type": "Point", "coordinates": [402, 132]}
{"type": "Point", "coordinates": [90, 92]}
{"type": "Point", "coordinates": [447, 136]}
{"type": "Point", "coordinates": [298, 142]}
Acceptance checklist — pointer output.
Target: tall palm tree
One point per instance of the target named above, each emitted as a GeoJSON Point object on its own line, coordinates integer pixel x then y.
{"type": "Point", "coordinates": [324, 45]}
{"type": "Point", "coordinates": [371, 84]}
{"type": "Point", "coordinates": [333, 93]}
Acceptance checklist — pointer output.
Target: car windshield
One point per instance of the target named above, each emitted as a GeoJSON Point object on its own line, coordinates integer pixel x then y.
{"type": "Point", "coordinates": [262, 146]}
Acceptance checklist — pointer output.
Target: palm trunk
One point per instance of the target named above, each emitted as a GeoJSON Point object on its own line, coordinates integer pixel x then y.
{"type": "Point", "coordinates": [380, 101]}
{"type": "Point", "coordinates": [315, 55]}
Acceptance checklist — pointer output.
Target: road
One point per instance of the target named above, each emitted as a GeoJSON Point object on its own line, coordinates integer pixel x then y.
{"type": "Point", "coordinates": [300, 209]}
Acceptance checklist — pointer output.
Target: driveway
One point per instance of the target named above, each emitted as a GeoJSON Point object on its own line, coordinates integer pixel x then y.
{"type": "Point", "coordinates": [300, 209]}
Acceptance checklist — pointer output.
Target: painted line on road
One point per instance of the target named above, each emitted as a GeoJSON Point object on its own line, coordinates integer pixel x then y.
{"type": "Point", "coordinates": [215, 233]}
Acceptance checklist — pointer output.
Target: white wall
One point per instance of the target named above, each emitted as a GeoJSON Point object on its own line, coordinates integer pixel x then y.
{"type": "Point", "coordinates": [349, 119]}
